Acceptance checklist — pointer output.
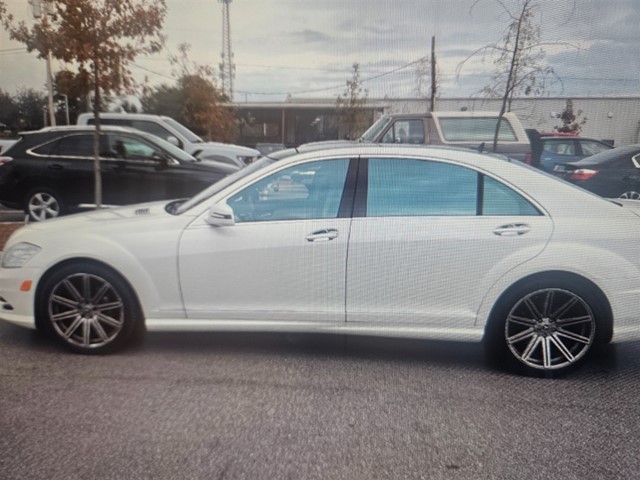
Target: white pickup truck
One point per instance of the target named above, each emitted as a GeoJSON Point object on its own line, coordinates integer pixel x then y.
{"type": "Point", "coordinates": [177, 134]}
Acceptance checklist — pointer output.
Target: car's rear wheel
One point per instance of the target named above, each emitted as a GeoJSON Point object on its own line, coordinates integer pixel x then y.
{"type": "Point", "coordinates": [89, 308]}
{"type": "Point", "coordinates": [548, 328]}
{"type": "Point", "coordinates": [631, 195]}
{"type": "Point", "coordinates": [42, 204]}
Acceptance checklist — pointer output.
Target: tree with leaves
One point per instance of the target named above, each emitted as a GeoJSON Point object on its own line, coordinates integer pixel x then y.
{"type": "Point", "coordinates": [8, 111]}
{"type": "Point", "coordinates": [519, 57]}
{"type": "Point", "coordinates": [571, 122]}
{"type": "Point", "coordinates": [195, 100]}
{"type": "Point", "coordinates": [352, 116]}
{"type": "Point", "coordinates": [30, 105]}
{"type": "Point", "coordinates": [77, 88]}
{"type": "Point", "coordinates": [101, 38]}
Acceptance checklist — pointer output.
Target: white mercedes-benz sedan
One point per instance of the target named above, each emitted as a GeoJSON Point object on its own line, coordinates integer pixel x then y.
{"type": "Point", "coordinates": [364, 239]}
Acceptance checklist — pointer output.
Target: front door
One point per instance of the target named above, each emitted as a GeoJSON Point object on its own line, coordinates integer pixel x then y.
{"type": "Point", "coordinates": [285, 257]}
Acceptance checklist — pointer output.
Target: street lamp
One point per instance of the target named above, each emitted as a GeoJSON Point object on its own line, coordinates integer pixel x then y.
{"type": "Point", "coordinates": [45, 7]}
{"type": "Point", "coordinates": [66, 106]}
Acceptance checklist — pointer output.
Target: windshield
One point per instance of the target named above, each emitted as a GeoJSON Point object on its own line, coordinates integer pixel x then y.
{"type": "Point", "coordinates": [184, 131]}
{"type": "Point", "coordinates": [375, 130]}
{"type": "Point", "coordinates": [218, 186]}
{"type": "Point", "coordinates": [174, 151]}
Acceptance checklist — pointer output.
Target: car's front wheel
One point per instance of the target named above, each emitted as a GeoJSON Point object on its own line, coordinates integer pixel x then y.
{"type": "Point", "coordinates": [42, 204]}
{"type": "Point", "coordinates": [548, 327]}
{"type": "Point", "coordinates": [89, 308]}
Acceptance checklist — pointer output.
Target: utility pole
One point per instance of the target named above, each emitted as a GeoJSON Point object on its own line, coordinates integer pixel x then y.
{"type": "Point", "coordinates": [227, 67]}
{"type": "Point", "coordinates": [39, 8]}
{"type": "Point", "coordinates": [434, 85]}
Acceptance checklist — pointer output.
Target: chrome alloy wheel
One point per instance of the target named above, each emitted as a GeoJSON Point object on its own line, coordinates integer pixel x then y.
{"type": "Point", "coordinates": [550, 329]}
{"type": "Point", "coordinates": [43, 205]}
{"type": "Point", "coordinates": [86, 311]}
{"type": "Point", "coordinates": [631, 195]}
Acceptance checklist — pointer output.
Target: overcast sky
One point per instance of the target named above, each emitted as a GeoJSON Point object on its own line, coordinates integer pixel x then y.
{"type": "Point", "coordinates": [306, 48]}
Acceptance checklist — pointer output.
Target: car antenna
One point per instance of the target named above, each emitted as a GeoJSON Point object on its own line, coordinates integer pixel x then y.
{"type": "Point", "coordinates": [481, 147]}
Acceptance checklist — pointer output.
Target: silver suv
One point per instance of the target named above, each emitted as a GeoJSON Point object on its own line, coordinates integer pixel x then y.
{"type": "Point", "coordinates": [177, 134]}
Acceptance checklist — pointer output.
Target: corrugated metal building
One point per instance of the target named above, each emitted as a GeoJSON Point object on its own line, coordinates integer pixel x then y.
{"type": "Point", "coordinates": [297, 121]}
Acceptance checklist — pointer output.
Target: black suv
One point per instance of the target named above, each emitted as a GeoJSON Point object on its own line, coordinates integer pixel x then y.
{"type": "Point", "coordinates": [50, 172]}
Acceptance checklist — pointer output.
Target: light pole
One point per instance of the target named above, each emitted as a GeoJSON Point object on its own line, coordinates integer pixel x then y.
{"type": "Point", "coordinates": [40, 7]}
{"type": "Point", "coordinates": [66, 106]}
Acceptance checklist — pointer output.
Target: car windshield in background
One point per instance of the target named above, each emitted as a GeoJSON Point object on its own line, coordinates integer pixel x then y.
{"type": "Point", "coordinates": [172, 149]}
{"type": "Point", "coordinates": [474, 129]}
{"type": "Point", "coordinates": [178, 209]}
{"type": "Point", "coordinates": [188, 134]}
{"type": "Point", "coordinates": [374, 130]}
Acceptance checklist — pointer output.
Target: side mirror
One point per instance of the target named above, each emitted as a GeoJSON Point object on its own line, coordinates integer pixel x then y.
{"type": "Point", "coordinates": [220, 215]}
{"type": "Point", "coordinates": [174, 141]}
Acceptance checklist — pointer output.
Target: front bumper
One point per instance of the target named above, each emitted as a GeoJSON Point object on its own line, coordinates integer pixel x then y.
{"type": "Point", "coordinates": [16, 304]}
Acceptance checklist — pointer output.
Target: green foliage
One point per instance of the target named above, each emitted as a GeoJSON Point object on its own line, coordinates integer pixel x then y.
{"type": "Point", "coordinates": [30, 107]}
{"type": "Point", "coordinates": [100, 37]}
{"type": "Point", "coordinates": [194, 100]}
{"type": "Point", "coordinates": [8, 111]}
{"type": "Point", "coordinates": [77, 88]}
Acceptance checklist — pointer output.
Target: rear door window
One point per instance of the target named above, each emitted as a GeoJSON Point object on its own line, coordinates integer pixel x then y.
{"type": "Point", "coordinates": [560, 147]}
{"type": "Point", "coordinates": [405, 131]}
{"type": "Point", "coordinates": [75, 146]}
{"type": "Point", "coordinates": [475, 129]}
{"type": "Point", "coordinates": [408, 187]}
{"type": "Point", "coordinates": [591, 148]}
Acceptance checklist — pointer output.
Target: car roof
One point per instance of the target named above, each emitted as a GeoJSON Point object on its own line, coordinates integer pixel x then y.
{"type": "Point", "coordinates": [608, 155]}
{"type": "Point", "coordinates": [132, 116]}
{"type": "Point", "coordinates": [561, 138]}
{"type": "Point", "coordinates": [469, 156]}
{"type": "Point", "coordinates": [81, 128]}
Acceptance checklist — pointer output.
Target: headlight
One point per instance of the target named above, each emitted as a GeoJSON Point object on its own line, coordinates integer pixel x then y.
{"type": "Point", "coordinates": [18, 255]}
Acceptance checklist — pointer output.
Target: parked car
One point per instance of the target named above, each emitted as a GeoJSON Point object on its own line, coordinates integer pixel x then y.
{"type": "Point", "coordinates": [612, 174]}
{"type": "Point", "coordinates": [368, 239]}
{"type": "Point", "coordinates": [177, 134]}
{"type": "Point", "coordinates": [457, 129]}
{"type": "Point", "coordinates": [556, 149]}
{"type": "Point", "coordinates": [267, 148]}
{"type": "Point", "coordinates": [5, 144]}
{"type": "Point", "coordinates": [50, 172]}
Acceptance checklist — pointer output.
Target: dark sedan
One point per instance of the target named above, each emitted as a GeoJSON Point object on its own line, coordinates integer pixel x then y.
{"type": "Point", "coordinates": [50, 172]}
{"type": "Point", "coordinates": [612, 174]}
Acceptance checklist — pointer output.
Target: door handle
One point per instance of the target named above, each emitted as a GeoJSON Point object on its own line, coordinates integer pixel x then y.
{"type": "Point", "coordinates": [56, 166]}
{"type": "Point", "coordinates": [512, 230]}
{"type": "Point", "coordinates": [323, 235]}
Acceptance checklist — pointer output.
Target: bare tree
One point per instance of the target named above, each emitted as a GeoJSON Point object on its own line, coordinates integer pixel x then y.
{"type": "Point", "coordinates": [101, 38]}
{"type": "Point", "coordinates": [519, 55]}
{"type": "Point", "coordinates": [351, 114]}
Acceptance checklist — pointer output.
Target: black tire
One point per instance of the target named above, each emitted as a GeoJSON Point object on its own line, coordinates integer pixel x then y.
{"type": "Point", "coordinates": [89, 309]}
{"type": "Point", "coordinates": [630, 195]}
{"type": "Point", "coordinates": [547, 326]}
{"type": "Point", "coordinates": [43, 203]}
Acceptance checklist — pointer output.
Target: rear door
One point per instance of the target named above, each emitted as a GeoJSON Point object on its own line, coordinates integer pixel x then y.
{"type": "Point", "coordinates": [429, 238]}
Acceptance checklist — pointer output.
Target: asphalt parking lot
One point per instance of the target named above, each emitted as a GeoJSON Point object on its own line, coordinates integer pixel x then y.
{"type": "Point", "coordinates": [249, 406]}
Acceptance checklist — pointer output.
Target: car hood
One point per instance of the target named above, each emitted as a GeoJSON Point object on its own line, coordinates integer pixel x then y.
{"type": "Point", "coordinates": [117, 218]}
{"type": "Point", "coordinates": [206, 149]}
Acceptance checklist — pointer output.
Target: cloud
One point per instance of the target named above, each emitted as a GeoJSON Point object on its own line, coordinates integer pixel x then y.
{"type": "Point", "coordinates": [295, 46]}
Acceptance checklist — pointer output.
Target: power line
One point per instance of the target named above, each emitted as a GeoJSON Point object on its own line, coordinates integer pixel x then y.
{"type": "Point", "coordinates": [336, 87]}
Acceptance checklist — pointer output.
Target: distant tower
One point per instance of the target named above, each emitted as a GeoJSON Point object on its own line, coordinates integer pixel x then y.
{"type": "Point", "coordinates": [227, 67]}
